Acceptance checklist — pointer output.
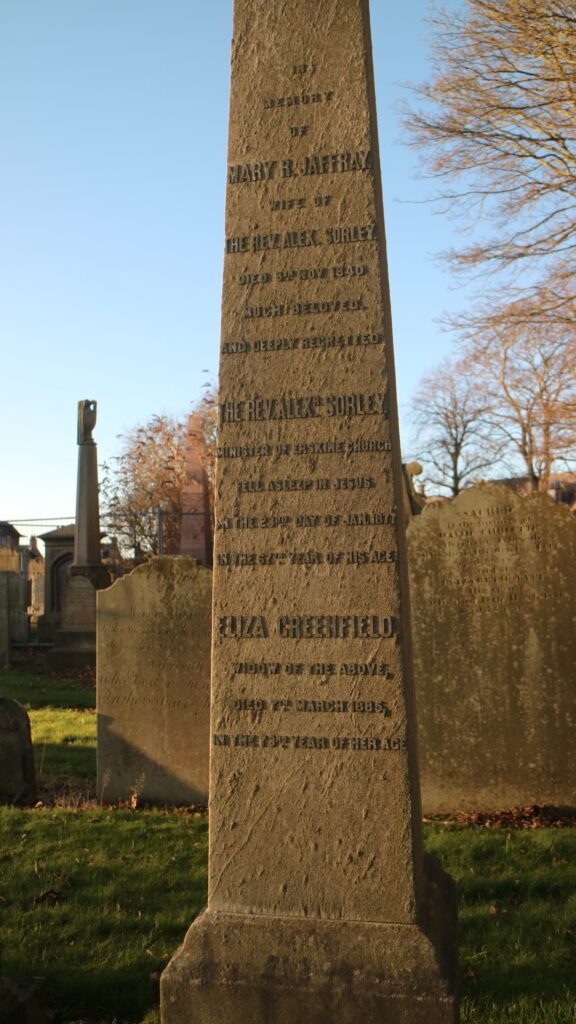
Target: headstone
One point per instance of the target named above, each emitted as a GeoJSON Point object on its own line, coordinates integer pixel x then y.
{"type": "Point", "coordinates": [17, 775]}
{"type": "Point", "coordinates": [4, 622]}
{"type": "Point", "coordinates": [14, 618]}
{"type": "Point", "coordinates": [76, 638]}
{"type": "Point", "coordinates": [153, 683]}
{"type": "Point", "coordinates": [19, 620]}
{"type": "Point", "coordinates": [322, 905]}
{"type": "Point", "coordinates": [196, 532]}
{"type": "Point", "coordinates": [493, 598]}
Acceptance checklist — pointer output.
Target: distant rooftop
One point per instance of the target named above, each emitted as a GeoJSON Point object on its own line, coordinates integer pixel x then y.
{"type": "Point", "coordinates": [7, 530]}
{"type": "Point", "coordinates": [61, 531]}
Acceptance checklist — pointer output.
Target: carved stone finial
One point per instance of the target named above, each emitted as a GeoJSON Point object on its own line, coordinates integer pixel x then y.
{"type": "Point", "coordinates": [414, 501]}
{"type": "Point", "coordinates": [86, 420]}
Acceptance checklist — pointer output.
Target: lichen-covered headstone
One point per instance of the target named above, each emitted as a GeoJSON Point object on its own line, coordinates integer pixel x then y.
{"type": "Point", "coordinates": [17, 775]}
{"type": "Point", "coordinates": [494, 622]}
{"type": "Point", "coordinates": [153, 683]}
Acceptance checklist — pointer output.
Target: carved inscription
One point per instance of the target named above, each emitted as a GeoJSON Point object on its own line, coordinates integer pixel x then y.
{"type": "Point", "coordinates": [310, 742]}
{"type": "Point", "coordinates": [300, 100]}
{"type": "Point", "coordinates": [324, 163]}
{"type": "Point", "coordinates": [247, 558]}
{"type": "Point", "coordinates": [301, 407]}
{"type": "Point", "coordinates": [317, 668]}
{"type": "Point", "coordinates": [310, 627]}
{"type": "Point", "coordinates": [321, 341]}
{"type": "Point", "coordinates": [336, 234]}
{"type": "Point", "coordinates": [262, 451]}
{"type": "Point", "coordinates": [304, 469]}
{"type": "Point", "coordinates": [304, 308]}
{"type": "Point", "coordinates": [304, 274]}
{"type": "Point", "coordinates": [275, 522]}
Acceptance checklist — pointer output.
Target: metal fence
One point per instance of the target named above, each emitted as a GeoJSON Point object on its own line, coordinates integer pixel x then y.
{"type": "Point", "coordinates": [29, 528]}
{"type": "Point", "coordinates": [154, 532]}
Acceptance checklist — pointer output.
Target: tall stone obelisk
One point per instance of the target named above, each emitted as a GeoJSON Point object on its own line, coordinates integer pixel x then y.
{"type": "Point", "coordinates": [322, 905]}
{"type": "Point", "coordinates": [87, 559]}
{"type": "Point", "coordinates": [76, 639]}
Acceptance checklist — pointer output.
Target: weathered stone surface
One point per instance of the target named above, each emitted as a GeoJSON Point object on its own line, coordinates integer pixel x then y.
{"type": "Point", "coordinates": [79, 605]}
{"type": "Point", "coordinates": [76, 639]}
{"type": "Point", "coordinates": [17, 775]}
{"type": "Point", "coordinates": [153, 683]}
{"type": "Point", "coordinates": [251, 968]}
{"type": "Point", "coordinates": [315, 840]}
{"type": "Point", "coordinates": [4, 622]}
{"type": "Point", "coordinates": [14, 619]}
{"type": "Point", "coordinates": [493, 601]}
{"type": "Point", "coordinates": [17, 590]}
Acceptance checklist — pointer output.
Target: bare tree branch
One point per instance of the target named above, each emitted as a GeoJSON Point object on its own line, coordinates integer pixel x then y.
{"type": "Point", "coordinates": [498, 118]}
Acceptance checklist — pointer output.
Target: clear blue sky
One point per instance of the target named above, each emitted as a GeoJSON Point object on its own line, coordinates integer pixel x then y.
{"type": "Point", "coordinates": [112, 170]}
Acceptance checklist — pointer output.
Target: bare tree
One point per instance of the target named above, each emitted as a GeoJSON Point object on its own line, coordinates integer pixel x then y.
{"type": "Point", "coordinates": [497, 128]}
{"type": "Point", "coordinates": [452, 436]}
{"type": "Point", "coordinates": [207, 408]}
{"type": "Point", "coordinates": [144, 481]}
{"type": "Point", "coordinates": [142, 486]}
{"type": "Point", "coordinates": [525, 368]}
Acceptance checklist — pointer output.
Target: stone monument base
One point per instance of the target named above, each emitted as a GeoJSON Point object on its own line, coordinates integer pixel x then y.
{"type": "Point", "coordinates": [74, 649]}
{"type": "Point", "coordinates": [235, 969]}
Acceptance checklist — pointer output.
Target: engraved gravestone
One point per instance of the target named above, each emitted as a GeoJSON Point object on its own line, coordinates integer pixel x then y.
{"type": "Point", "coordinates": [321, 905]}
{"type": "Point", "coordinates": [493, 599]}
{"type": "Point", "coordinates": [153, 683]}
{"type": "Point", "coordinates": [4, 621]}
{"type": "Point", "coordinates": [18, 600]}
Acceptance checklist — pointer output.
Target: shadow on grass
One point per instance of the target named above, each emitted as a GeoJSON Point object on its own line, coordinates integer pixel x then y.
{"type": "Point", "coordinates": [65, 760]}
{"type": "Point", "coordinates": [109, 900]}
{"type": "Point", "coordinates": [512, 953]}
{"type": "Point", "coordinates": [124, 994]}
{"type": "Point", "coordinates": [36, 692]}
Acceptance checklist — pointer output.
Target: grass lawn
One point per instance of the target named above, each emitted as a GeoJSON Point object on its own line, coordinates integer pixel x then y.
{"type": "Point", "coordinates": [517, 913]}
{"type": "Point", "coordinates": [97, 899]}
{"type": "Point", "coordinates": [62, 718]}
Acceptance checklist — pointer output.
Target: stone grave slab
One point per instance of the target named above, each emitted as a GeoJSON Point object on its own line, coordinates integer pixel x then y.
{"type": "Point", "coordinates": [153, 683]}
{"type": "Point", "coordinates": [17, 774]}
{"type": "Point", "coordinates": [493, 603]}
{"type": "Point", "coordinates": [18, 597]}
{"type": "Point", "coordinates": [4, 622]}
{"type": "Point", "coordinates": [322, 904]}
